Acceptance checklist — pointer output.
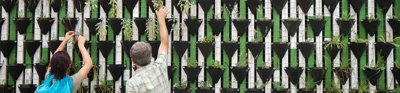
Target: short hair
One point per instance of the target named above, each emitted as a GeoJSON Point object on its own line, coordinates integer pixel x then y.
{"type": "Point", "coordinates": [140, 53]}
{"type": "Point", "coordinates": [60, 63]}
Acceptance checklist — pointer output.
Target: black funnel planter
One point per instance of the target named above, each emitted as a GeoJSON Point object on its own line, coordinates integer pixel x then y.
{"type": "Point", "coordinates": [333, 51]}
{"type": "Point", "coordinates": [180, 47]}
{"type": "Point", "coordinates": [69, 23]}
{"type": "Point", "coordinates": [294, 74]}
{"type": "Point", "coordinates": [356, 4]}
{"type": "Point", "coordinates": [230, 4]}
{"type": "Point", "coordinates": [396, 73]}
{"type": "Point", "coordinates": [56, 4]}
{"type": "Point", "coordinates": [15, 70]}
{"type": "Point", "coordinates": [241, 25]}
{"type": "Point", "coordinates": [317, 25]}
{"type": "Point", "coordinates": [116, 24]}
{"type": "Point", "coordinates": [358, 49]}
{"type": "Point", "coordinates": [384, 49]}
{"type": "Point", "coordinates": [345, 26]}
{"type": "Point", "coordinates": [170, 22]}
{"type": "Point", "coordinates": [31, 4]}
{"type": "Point", "coordinates": [45, 24]}
{"type": "Point", "coordinates": [151, 5]}
{"type": "Point", "coordinates": [193, 25]}
{"type": "Point", "coordinates": [280, 49]}
{"type": "Point", "coordinates": [175, 3]}
{"type": "Point", "coordinates": [303, 90]}
{"type": "Point", "coordinates": [6, 47]}
{"type": "Point", "coordinates": [318, 74]}
{"type": "Point", "coordinates": [1, 22]}
{"type": "Point", "coordinates": [192, 73]}
{"type": "Point", "coordinates": [188, 90]}
{"type": "Point", "coordinates": [210, 90]}
{"type": "Point", "coordinates": [41, 70]}
{"type": "Point", "coordinates": [122, 89]}
{"type": "Point", "coordinates": [371, 26]}
{"type": "Point", "coordinates": [105, 4]}
{"type": "Point", "coordinates": [127, 44]}
{"type": "Point", "coordinates": [254, 90]}
{"type": "Point", "coordinates": [205, 48]}
{"type": "Point", "coordinates": [229, 90]}
{"type": "Point", "coordinates": [105, 47]}
{"type": "Point", "coordinates": [171, 71]}
{"type": "Point", "coordinates": [27, 88]}
{"type": "Point", "coordinates": [240, 73]}
{"type": "Point", "coordinates": [92, 25]}
{"type": "Point", "coordinates": [79, 5]}
{"type": "Point", "coordinates": [53, 45]}
{"type": "Point", "coordinates": [141, 25]}
{"type": "Point", "coordinates": [130, 5]}
{"type": "Point", "coordinates": [331, 4]}
{"type": "Point", "coordinates": [116, 70]}
{"type": "Point", "coordinates": [305, 5]}
{"type": "Point", "coordinates": [230, 48]}
{"type": "Point", "coordinates": [264, 25]}
{"type": "Point", "coordinates": [384, 5]}
{"type": "Point", "coordinates": [6, 88]}
{"type": "Point", "coordinates": [205, 4]}
{"type": "Point", "coordinates": [22, 24]}
{"type": "Point", "coordinates": [278, 5]}
{"type": "Point", "coordinates": [306, 48]}
{"type": "Point", "coordinates": [265, 73]}
{"type": "Point", "coordinates": [154, 47]}
{"type": "Point", "coordinates": [9, 5]}
{"type": "Point", "coordinates": [372, 74]}
{"type": "Point", "coordinates": [32, 46]}
{"type": "Point", "coordinates": [215, 73]}
{"type": "Point", "coordinates": [253, 5]}
{"type": "Point", "coordinates": [395, 24]}
{"type": "Point", "coordinates": [217, 25]}
{"type": "Point", "coordinates": [255, 48]}
{"type": "Point", "coordinates": [292, 25]}
{"type": "Point", "coordinates": [343, 74]}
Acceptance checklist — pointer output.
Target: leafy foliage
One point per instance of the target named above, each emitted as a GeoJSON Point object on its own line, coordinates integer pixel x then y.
{"type": "Point", "coordinates": [216, 64]}
{"type": "Point", "coordinates": [152, 29]}
{"type": "Point", "coordinates": [127, 28]}
{"type": "Point", "coordinates": [181, 85]}
{"type": "Point", "coordinates": [208, 39]}
{"type": "Point", "coordinates": [113, 9]}
{"type": "Point", "coordinates": [242, 63]}
{"type": "Point", "coordinates": [102, 30]}
{"type": "Point", "coordinates": [205, 85]}
{"type": "Point", "coordinates": [158, 4]}
{"type": "Point", "coordinates": [191, 63]}
{"type": "Point", "coordinates": [185, 6]}
{"type": "Point", "coordinates": [335, 42]}
{"type": "Point", "coordinates": [277, 86]}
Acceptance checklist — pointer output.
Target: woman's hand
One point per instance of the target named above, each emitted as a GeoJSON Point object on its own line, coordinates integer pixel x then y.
{"type": "Point", "coordinates": [69, 35]}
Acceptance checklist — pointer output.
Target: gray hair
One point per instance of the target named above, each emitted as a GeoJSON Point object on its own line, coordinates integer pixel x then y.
{"type": "Point", "coordinates": [141, 53]}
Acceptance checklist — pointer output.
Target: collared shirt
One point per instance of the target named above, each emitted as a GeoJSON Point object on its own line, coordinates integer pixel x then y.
{"type": "Point", "coordinates": [152, 78]}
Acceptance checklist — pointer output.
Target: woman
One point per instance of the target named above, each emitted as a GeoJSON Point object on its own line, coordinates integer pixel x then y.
{"type": "Point", "coordinates": [57, 78]}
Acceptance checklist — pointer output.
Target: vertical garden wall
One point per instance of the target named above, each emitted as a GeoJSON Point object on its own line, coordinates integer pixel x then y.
{"type": "Point", "coordinates": [231, 46]}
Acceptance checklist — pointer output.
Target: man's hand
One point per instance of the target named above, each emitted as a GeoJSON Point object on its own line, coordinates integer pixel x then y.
{"type": "Point", "coordinates": [81, 40]}
{"type": "Point", "coordinates": [69, 35]}
{"type": "Point", "coordinates": [162, 13]}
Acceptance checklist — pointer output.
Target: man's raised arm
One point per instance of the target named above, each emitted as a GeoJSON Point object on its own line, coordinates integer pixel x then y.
{"type": "Point", "coordinates": [161, 14]}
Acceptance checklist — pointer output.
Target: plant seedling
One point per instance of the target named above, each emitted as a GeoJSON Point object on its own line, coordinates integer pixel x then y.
{"type": "Point", "coordinates": [102, 30]}
{"type": "Point", "coordinates": [152, 29]}
{"type": "Point", "coordinates": [127, 28]}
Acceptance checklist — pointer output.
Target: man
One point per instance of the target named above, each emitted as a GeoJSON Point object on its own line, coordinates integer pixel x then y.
{"type": "Point", "coordinates": [150, 77]}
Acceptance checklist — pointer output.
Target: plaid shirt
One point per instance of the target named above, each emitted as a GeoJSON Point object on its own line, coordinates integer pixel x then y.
{"type": "Point", "coordinates": [152, 78]}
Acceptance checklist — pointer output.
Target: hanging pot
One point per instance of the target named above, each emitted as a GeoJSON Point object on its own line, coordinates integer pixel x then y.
{"type": "Point", "coordinates": [331, 5]}
{"type": "Point", "coordinates": [395, 24]}
{"type": "Point", "coordinates": [372, 74]}
{"type": "Point", "coordinates": [45, 24]}
{"type": "Point", "coordinates": [192, 73]}
{"type": "Point", "coordinates": [116, 24]}
{"type": "Point", "coordinates": [384, 5]}
{"type": "Point", "coordinates": [278, 5]}
{"type": "Point", "coordinates": [41, 70]}
{"type": "Point", "coordinates": [305, 5]}
{"type": "Point", "coordinates": [215, 73]}
{"type": "Point", "coordinates": [255, 48]}
{"type": "Point", "coordinates": [317, 25]}
{"type": "Point", "coordinates": [254, 90]}
{"type": "Point", "coordinates": [209, 90]}
{"type": "Point", "coordinates": [8, 5]}
{"type": "Point", "coordinates": [170, 22]}
{"type": "Point", "coordinates": [180, 47]}
{"type": "Point", "coordinates": [318, 74]}
{"type": "Point", "coordinates": [15, 70]}
{"type": "Point", "coordinates": [130, 5]}
{"type": "Point", "coordinates": [241, 25]}
{"type": "Point", "coordinates": [92, 25]}
{"type": "Point", "coordinates": [22, 24]}
{"type": "Point", "coordinates": [358, 49]}
{"type": "Point", "coordinates": [105, 47]}
{"type": "Point", "coordinates": [141, 25]}
{"type": "Point", "coordinates": [193, 25]}
{"type": "Point", "coordinates": [306, 48]}
{"type": "Point", "coordinates": [343, 74]}
{"type": "Point", "coordinates": [345, 26]}
{"type": "Point", "coordinates": [294, 74]}
{"type": "Point", "coordinates": [6, 47]}
{"type": "Point", "coordinates": [292, 25]}
{"type": "Point", "coordinates": [371, 26]}
{"type": "Point", "coordinates": [116, 70]}
{"type": "Point", "coordinates": [280, 49]}
{"type": "Point", "coordinates": [384, 49]}
{"type": "Point", "coordinates": [154, 47]}
{"type": "Point", "coordinates": [265, 73]}
{"type": "Point", "coordinates": [27, 88]}
{"type": "Point", "coordinates": [32, 46]}
{"type": "Point", "coordinates": [205, 48]}
{"type": "Point", "coordinates": [205, 4]}
{"type": "Point", "coordinates": [79, 5]}
{"type": "Point", "coordinates": [333, 52]}
{"type": "Point", "coordinates": [230, 48]}
{"type": "Point", "coordinates": [69, 23]}
{"type": "Point", "coordinates": [1, 22]}
{"type": "Point", "coordinates": [230, 4]}
{"type": "Point", "coordinates": [217, 25]}
{"type": "Point", "coordinates": [6, 88]}
{"type": "Point", "coordinates": [171, 71]}
{"type": "Point", "coordinates": [240, 73]}
{"type": "Point", "coordinates": [127, 44]}
{"type": "Point", "coordinates": [56, 4]}
{"type": "Point", "coordinates": [264, 25]}
{"type": "Point", "coordinates": [105, 4]}
{"type": "Point", "coordinates": [356, 4]}
{"type": "Point", "coordinates": [396, 73]}
{"type": "Point", "coordinates": [253, 5]}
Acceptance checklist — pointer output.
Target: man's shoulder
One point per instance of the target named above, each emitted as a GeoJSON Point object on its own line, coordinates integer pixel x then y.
{"type": "Point", "coordinates": [134, 81]}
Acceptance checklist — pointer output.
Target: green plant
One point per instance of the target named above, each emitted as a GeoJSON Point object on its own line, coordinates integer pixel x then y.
{"type": "Point", "coordinates": [191, 63]}
{"type": "Point", "coordinates": [292, 19]}
{"type": "Point", "coordinates": [82, 89]}
{"type": "Point", "coordinates": [151, 29]}
{"type": "Point", "coordinates": [127, 28]}
{"type": "Point", "coordinates": [309, 86]}
{"type": "Point", "coordinates": [372, 18]}
{"type": "Point", "coordinates": [105, 88]}
{"type": "Point", "coordinates": [344, 64]}
{"type": "Point", "coordinates": [216, 64]}
{"type": "Point", "coordinates": [335, 42]}
{"type": "Point", "coordinates": [181, 85]}
{"type": "Point", "coordinates": [334, 89]}
{"type": "Point", "coordinates": [346, 17]}
{"type": "Point", "coordinates": [242, 63]}
{"type": "Point", "coordinates": [92, 3]}
{"type": "Point", "coordinates": [157, 4]}
{"type": "Point", "coordinates": [208, 39]}
{"type": "Point", "coordinates": [361, 40]}
{"type": "Point", "coordinates": [397, 64]}
{"type": "Point", "coordinates": [185, 6]}
{"type": "Point", "coordinates": [260, 86]}
{"type": "Point", "coordinates": [396, 17]}
{"type": "Point", "coordinates": [205, 85]}
{"type": "Point", "coordinates": [258, 36]}
{"type": "Point", "coordinates": [278, 86]}
{"type": "Point", "coordinates": [102, 30]}
{"type": "Point", "coordinates": [113, 8]}
{"type": "Point", "coordinates": [361, 89]}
